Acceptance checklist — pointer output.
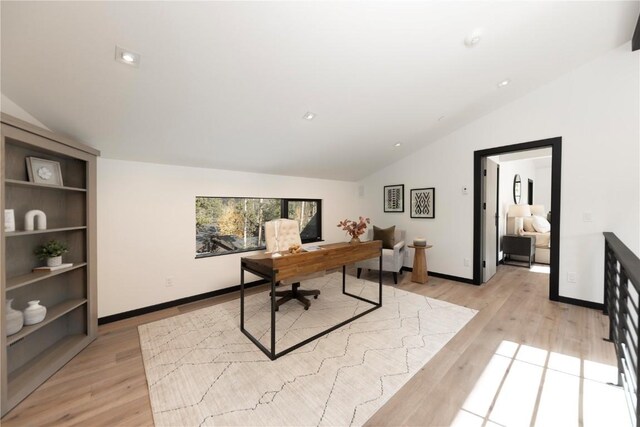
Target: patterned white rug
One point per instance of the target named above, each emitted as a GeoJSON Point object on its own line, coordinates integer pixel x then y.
{"type": "Point", "coordinates": [201, 370]}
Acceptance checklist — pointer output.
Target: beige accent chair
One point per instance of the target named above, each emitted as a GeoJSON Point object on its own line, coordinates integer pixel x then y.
{"type": "Point", "coordinates": [280, 235]}
{"type": "Point", "coordinates": [392, 259]}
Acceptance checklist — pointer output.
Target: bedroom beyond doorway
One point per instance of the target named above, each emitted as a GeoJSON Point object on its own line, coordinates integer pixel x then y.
{"type": "Point", "coordinates": [516, 205]}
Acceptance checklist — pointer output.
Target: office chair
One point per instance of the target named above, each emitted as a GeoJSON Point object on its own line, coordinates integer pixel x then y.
{"type": "Point", "coordinates": [280, 234]}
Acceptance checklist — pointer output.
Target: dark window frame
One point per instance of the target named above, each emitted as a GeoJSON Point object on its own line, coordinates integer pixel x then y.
{"type": "Point", "coordinates": [284, 214]}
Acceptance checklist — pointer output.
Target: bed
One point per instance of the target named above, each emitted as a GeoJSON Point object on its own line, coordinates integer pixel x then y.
{"type": "Point", "coordinates": [542, 239]}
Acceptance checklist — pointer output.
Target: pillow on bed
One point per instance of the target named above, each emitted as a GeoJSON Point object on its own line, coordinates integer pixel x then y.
{"type": "Point", "coordinates": [541, 224]}
{"type": "Point", "coordinates": [528, 224]}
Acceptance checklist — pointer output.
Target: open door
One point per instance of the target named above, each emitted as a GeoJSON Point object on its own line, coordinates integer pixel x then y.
{"type": "Point", "coordinates": [489, 218]}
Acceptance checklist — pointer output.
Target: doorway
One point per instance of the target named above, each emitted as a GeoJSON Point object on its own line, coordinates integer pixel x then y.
{"type": "Point", "coordinates": [530, 191]}
{"type": "Point", "coordinates": [480, 237]}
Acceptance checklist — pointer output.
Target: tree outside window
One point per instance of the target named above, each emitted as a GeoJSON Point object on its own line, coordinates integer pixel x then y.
{"type": "Point", "coordinates": [227, 225]}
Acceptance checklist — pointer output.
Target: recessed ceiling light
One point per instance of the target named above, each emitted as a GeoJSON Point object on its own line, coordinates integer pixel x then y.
{"type": "Point", "coordinates": [309, 115]}
{"type": "Point", "coordinates": [397, 144]}
{"type": "Point", "coordinates": [504, 83]}
{"type": "Point", "coordinates": [127, 57]}
{"type": "Point", "coordinates": [473, 39]}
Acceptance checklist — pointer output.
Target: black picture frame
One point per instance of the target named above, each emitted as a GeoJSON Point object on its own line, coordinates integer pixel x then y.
{"type": "Point", "coordinates": [423, 202]}
{"type": "Point", "coordinates": [393, 198]}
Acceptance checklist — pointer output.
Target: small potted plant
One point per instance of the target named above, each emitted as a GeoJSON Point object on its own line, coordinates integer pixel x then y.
{"type": "Point", "coordinates": [52, 251]}
{"type": "Point", "coordinates": [355, 229]}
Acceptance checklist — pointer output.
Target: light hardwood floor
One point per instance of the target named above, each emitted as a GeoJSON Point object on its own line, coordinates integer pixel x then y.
{"type": "Point", "coordinates": [105, 385]}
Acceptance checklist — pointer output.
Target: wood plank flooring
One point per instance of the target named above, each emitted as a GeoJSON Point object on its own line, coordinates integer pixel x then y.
{"type": "Point", "coordinates": [105, 385]}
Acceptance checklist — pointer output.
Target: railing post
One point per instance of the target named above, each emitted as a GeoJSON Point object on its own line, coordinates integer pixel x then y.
{"type": "Point", "coordinates": [607, 284]}
{"type": "Point", "coordinates": [622, 274]}
{"type": "Point", "coordinates": [622, 321]}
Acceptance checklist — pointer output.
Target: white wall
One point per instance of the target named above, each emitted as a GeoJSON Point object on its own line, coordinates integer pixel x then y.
{"type": "Point", "coordinates": [9, 107]}
{"type": "Point", "coordinates": [542, 187]}
{"type": "Point", "coordinates": [146, 228]}
{"type": "Point", "coordinates": [595, 109]}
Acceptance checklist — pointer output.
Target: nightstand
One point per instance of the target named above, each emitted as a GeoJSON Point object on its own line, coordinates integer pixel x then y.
{"type": "Point", "coordinates": [518, 245]}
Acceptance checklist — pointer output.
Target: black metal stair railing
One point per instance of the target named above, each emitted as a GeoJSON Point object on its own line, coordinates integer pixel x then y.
{"type": "Point", "coordinates": [621, 302]}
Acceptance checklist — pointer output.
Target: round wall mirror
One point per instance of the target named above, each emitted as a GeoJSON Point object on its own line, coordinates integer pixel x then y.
{"type": "Point", "coordinates": [517, 186]}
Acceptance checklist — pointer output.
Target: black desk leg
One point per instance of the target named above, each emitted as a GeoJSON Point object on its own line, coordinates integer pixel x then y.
{"type": "Point", "coordinates": [273, 319]}
{"type": "Point", "coordinates": [344, 271]}
{"type": "Point", "coordinates": [380, 282]}
{"type": "Point", "coordinates": [241, 299]}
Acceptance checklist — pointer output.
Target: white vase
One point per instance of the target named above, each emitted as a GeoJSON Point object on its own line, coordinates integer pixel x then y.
{"type": "Point", "coordinates": [34, 313]}
{"type": "Point", "coordinates": [54, 261]}
{"type": "Point", "coordinates": [31, 217]}
{"type": "Point", "coordinates": [14, 319]}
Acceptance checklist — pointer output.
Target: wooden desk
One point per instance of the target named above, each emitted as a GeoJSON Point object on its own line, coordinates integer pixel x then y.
{"type": "Point", "coordinates": [419, 272]}
{"type": "Point", "coordinates": [289, 266]}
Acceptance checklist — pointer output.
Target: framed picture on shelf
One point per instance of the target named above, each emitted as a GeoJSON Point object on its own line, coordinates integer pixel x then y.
{"type": "Point", "coordinates": [394, 198]}
{"type": "Point", "coordinates": [42, 171]}
{"type": "Point", "coordinates": [423, 202]}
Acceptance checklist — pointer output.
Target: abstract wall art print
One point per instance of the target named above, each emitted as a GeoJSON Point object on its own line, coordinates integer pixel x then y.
{"type": "Point", "coordinates": [423, 203]}
{"type": "Point", "coordinates": [394, 198]}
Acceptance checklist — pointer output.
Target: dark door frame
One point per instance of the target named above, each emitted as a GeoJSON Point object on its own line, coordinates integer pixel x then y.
{"type": "Point", "coordinates": [556, 166]}
{"type": "Point", "coordinates": [530, 191]}
{"type": "Point", "coordinates": [498, 218]}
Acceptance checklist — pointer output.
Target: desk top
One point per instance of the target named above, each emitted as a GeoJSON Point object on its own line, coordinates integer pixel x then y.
{"type": "Point", "coordinates": [330, 256]}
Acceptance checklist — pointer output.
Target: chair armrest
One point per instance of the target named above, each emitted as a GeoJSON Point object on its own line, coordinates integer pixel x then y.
{"type": "Point", "coordinates": [398, 247]}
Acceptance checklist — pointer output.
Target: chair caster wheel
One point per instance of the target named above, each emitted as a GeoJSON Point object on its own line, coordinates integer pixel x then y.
{"type": "Point", "coordinates": [306, 308]}
{"type": "Point", "coordinates": [276, 309]}
{"type": "Point", "coordinates": [315, 297]}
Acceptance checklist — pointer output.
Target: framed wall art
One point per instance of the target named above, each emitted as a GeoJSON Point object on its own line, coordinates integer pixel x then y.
{"type": "Point", "coordinates": [43, 171]}
{"type": "Point", "coordinates": [394, 198]}
{"type": "Point", "coordinates": [423, 203]}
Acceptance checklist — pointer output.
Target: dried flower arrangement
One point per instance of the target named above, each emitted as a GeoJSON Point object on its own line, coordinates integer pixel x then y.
{"type": "Point", "coordinates": [353, 228]}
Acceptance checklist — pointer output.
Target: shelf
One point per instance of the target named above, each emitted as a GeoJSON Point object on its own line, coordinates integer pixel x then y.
{"type": "Point", "coordinates": [53, 313]}
{"type": "Point", "coordinates": [36, 276]}
{"type": "Point", "coordinates": [36, 185]}
{"type": "Point", "coordinates": [37, 351]}
{"type": "Point", "coordinates": [49, 230]}
{"type": "Point", "coordinates": [24, 379]}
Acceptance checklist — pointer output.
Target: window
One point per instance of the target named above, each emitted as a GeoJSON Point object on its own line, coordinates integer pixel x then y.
{"type": "Point", "coordinates": [226, 225]}
{"type": "Point", "coordinates": [307, 213]}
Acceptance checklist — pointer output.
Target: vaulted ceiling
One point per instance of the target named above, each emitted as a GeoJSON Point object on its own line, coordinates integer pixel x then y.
{"type": "Point", "coordinates": [226, 84]}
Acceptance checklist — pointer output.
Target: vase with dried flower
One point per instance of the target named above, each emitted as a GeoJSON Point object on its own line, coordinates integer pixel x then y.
{"type": "Point", "coordinates": [355, 228]}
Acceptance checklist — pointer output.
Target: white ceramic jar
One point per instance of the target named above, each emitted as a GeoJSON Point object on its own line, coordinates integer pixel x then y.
{"type": "Point", "coordinates": [34, 313]}
{"type": "Point", "coordinates": [54, 261]}
{"type": "Point", "coordinates": [14, 319]}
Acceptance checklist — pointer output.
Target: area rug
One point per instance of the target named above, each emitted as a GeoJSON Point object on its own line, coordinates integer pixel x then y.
{"type": "Point", "coordinates": [202, 371]}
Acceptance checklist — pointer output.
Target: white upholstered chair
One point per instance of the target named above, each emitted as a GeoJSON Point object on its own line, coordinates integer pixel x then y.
{"type": "Point", "coordinates": [392, 259]}
{"type": "Point", "coordinates": [280, 235]}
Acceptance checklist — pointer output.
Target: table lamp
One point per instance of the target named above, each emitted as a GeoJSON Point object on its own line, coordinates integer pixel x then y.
{"type": "Point", "coordinates": [518, 212]}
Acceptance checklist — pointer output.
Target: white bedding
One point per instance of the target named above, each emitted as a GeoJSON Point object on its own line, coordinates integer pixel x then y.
{"type": "Point", "coordinates": [543, 240]}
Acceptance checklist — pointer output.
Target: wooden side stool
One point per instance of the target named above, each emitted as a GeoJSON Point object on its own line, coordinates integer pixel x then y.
{"type": "Point", "coordinates": [419, 273]}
